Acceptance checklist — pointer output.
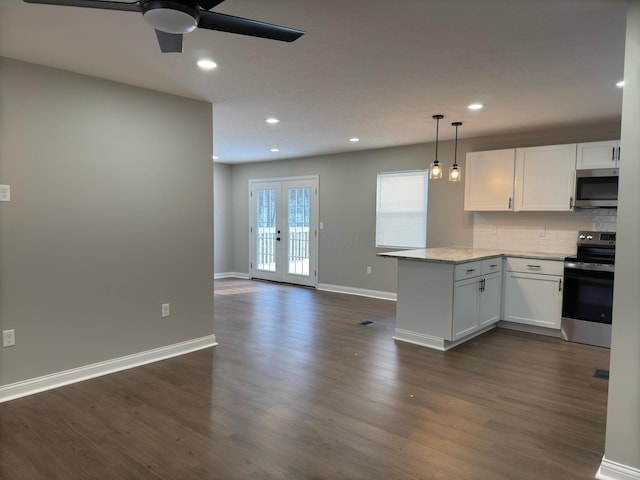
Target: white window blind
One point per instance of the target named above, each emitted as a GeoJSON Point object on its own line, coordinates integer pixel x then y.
{"type": "Point", "coordinates": [401, 209]}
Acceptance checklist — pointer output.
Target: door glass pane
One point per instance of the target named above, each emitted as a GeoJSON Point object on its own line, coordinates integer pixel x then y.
{"type": "Point", "coordinates": [299, 226]}
{"type": "Point", "coordinates": [266, 230]}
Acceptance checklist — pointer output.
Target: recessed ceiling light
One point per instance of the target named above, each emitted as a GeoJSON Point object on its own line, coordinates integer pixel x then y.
{"type": "Point", "coordinates": [275, 150]}
{"type": "Point", "coordinates": [620, 84]}
{"type": "Point", "coordinates": [475, 106]}
{"type": "Point", "coordinates": [272, 120]}
{"type": "Point", "coordinates": [354, 139]}
{"type": "Point", "coordinates": [206, 64]}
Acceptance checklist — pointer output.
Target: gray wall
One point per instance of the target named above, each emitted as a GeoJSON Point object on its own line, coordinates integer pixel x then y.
{"type": "Point", "coordinates": [222, 218]}
{"type": "Point", "coordinates": [348, 193]}
{"type": "Point", "coordinates": [623, 414]}
{"type": "Point", "coordinates": [111, 216]}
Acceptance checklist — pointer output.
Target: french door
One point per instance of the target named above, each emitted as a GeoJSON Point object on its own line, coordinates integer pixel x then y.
{"type": "Point", "coordinates": [283, 229]}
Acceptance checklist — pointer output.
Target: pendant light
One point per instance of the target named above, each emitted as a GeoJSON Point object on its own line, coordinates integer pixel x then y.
{"type": "Point", "coordinates": [455, 174]}
{"type": "Point", "coordinates": [435, 169]}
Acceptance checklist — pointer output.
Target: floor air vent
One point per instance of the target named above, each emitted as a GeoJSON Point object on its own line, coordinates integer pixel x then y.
{"type": "Point", "coordinates": [601, 374]}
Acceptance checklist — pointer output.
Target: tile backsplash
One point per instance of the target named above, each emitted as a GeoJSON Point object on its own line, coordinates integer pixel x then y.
{"type": "Point", "coordinates": [549, 232]}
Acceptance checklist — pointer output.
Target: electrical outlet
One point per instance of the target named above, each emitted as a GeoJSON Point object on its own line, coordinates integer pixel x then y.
{"type": "Point", "coordinates": [8, 338]}
{"type": "Point", "coordinates": [368, 270]}
{"type": "Point", "coordinates": [5, 193]}
{"type": "Point", "coordinates": [165, 310]}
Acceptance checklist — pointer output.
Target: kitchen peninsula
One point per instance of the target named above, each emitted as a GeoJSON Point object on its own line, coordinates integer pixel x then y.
{"type": "Point", "coordinates": [446, 296]}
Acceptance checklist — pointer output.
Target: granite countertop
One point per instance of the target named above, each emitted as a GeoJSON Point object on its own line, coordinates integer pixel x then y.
{"type": "Point", "coordinates": [466, 254]}
{"type": "Point", "coordinates": [539, 255]}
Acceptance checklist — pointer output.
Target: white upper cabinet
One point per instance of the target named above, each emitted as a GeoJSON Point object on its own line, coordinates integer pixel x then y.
{"type": "Point", "coordinates": [598, 155]}
{"type": "Point", "coordinates": [488, 182]}
{"type": "Point", "coordinates": [544, 179]}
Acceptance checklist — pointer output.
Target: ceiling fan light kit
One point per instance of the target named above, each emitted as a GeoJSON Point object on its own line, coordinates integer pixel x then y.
{"type": "Point", "coordinates": [172, 18]}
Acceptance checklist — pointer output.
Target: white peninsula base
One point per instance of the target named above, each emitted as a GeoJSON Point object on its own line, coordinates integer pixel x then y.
{"type": "Point", "coordinates": [443, 303]}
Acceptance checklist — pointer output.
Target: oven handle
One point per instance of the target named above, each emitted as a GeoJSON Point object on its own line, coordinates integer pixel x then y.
{"type": "Point", "coordinates": [593, 267]}
{"type": "Point", "coordinates": [573, 275]}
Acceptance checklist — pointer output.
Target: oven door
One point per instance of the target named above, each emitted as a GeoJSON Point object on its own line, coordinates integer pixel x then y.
{"type": "Point", "coordinates": [588, 293]}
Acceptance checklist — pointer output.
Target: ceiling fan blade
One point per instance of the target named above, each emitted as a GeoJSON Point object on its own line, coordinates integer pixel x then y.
{"type": "Point", "coordinates": [169, 42]}
{"type": "Point", "coordinates": [105, 5]}
{"type": "Point", "coordinates": [209, 4]}
{"type": "Point", "coordinates": [244, 26]}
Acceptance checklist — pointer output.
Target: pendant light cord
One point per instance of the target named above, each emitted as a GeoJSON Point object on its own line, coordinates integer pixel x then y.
{"type": "Point", "coordinates": [437, 128]}
{"type": "Point", "coordinates": [455, 152]}
{"type": "Point", "coordinates": [437, 118]}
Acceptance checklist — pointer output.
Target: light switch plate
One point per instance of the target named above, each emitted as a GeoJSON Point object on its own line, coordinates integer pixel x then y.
{"type": "Point", "coordinates": [5, 193]}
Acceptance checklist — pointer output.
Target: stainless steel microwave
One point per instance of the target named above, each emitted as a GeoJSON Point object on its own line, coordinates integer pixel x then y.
{"type": "Point", "coordinates": [597, 188]}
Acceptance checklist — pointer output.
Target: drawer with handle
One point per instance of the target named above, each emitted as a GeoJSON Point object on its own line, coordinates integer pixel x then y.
{"type": "Point", "coordinates": [535, 265]}
{"type": "Point", "coordinates": [467, 270]}
{"type": "Point", "coordinates": [491, 265]}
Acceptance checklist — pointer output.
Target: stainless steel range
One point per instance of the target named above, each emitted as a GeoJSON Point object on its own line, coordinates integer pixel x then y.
{"type": "Point", "coordinates": [587, 300]}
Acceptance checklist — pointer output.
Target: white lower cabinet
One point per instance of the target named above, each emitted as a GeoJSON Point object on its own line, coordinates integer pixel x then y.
{"type": "Point", "coordinates": [490, 300]}
{"type": "Point", "coordinates": [466, 294]}
{"type": "Point", "coordinates": [533, 292]}
{"type": "Point", "coordinates": [440, 305]}
{"type": "Point", "coordinates": [476, 301]}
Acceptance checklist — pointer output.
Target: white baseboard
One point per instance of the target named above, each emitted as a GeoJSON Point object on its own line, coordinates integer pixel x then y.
{"type": "Point", "coordinates": [66, 377]}
{"type": "Point", "coordinates": [436, 343]}
{"type": "Point", "coordinates": [219, 276]}
{"type": "Point", "coordinates": [420, 339]}
{"type": "Point", "coordinates": [522, 327]}
{"type": "Point", "coordinates": [357, 291]}
{"type": "Point", "coordinates": [616, 471]}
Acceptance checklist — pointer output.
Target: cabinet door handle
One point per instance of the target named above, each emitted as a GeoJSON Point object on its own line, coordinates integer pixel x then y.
{"type": "Point", "coordinates": [471, 270]}
{"type": "Point", "coordinates": [618, 153]}
{"type": "Point", "coordinates": [613, 154]}
{"type": "Point", "coordinates": [481, 285]}
{"type": "Point", "coordinates": [570, 203]}
{"type": "Point", "coordinates": [560, 285]}
{"type": "Point", "coordinates": [493, 265]}
{"type": "Point", "coordinates": [537, 267]}
{"type": "Point", "coordinates": [509, 202]}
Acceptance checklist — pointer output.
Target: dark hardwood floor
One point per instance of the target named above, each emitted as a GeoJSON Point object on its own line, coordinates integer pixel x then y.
{"type": "Point", "coordinates": [298, 389]}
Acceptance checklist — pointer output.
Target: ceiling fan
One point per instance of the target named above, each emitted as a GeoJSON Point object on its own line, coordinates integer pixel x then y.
{"type": "Point", "coordinates": [172, 18]}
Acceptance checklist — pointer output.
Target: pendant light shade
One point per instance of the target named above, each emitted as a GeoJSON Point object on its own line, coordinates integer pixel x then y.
{"type": "Point", "coordinates": [435, 169]}
{"type": "Point", "coordinates": [455, 174]}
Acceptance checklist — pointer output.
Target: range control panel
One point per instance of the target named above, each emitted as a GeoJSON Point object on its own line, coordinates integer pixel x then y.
{"type": "Point", "coordinates": [587, 237]}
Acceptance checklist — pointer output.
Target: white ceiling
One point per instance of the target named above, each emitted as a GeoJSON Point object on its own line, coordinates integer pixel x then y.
{"type": "Point", "coordinates": [373, 69]}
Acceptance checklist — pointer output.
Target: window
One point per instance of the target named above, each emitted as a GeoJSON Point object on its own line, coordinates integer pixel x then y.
{"type": "Point", "coordinates": [401, 209]}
